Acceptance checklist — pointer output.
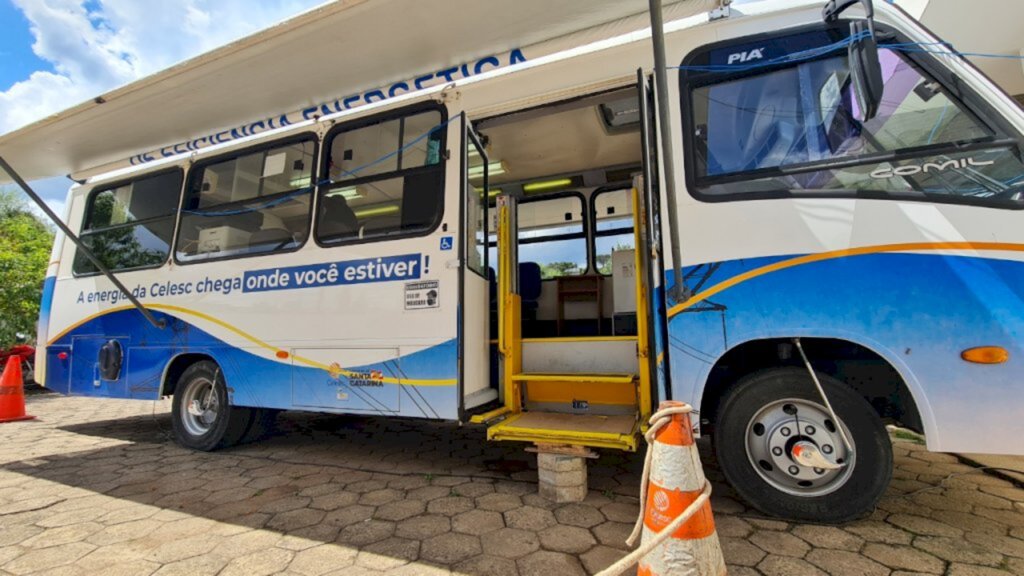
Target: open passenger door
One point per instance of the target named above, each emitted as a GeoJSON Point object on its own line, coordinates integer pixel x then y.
{"type": "Point", "coordinates": [649, 221]}
{"type": "Point", "coordinates": [602, 402]}
{"type": "Point", "coordinates": [476, 274]}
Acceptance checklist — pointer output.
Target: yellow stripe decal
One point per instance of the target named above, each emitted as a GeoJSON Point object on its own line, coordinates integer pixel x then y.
{"type": "Point", "coordinates": [256, 341]}
{"type": "Point", "coordinates": [821, 256]}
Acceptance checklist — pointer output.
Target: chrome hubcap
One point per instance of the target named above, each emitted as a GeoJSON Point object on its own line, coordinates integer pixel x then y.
{"type": "Point", "coordinates": [796, 447]}
{"type": "Point", "coordinates": [199, 406]}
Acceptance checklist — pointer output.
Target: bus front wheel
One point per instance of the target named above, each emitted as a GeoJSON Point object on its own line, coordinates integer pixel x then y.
{"type": "Point", "coordinates": [770, 417]}
{"type": "Point", "coordinates": [202, 417]}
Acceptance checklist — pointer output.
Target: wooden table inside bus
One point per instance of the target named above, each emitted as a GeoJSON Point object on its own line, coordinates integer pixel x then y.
{"type": "Point", "coordinates": [585, 288]}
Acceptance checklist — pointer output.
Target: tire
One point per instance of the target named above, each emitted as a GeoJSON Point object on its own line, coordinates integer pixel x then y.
{"type": "Point", "coordinates": [263, 421]}
{"type": "Point", "coordinates": [212, 423]}
{"type": "Point", "coordinates": [28, 374]}
{"type": "Point", "coordinates": [753, 434]}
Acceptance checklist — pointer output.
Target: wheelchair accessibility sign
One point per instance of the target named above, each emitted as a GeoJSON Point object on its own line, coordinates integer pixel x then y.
{"type": "Point", "coordinates": [422, 295]}
{"type": "Point", "coordinates": [447, 243]}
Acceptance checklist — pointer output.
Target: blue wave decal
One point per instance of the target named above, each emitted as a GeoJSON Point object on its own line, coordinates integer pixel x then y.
{"type": "Point", "coordinates": [419, 384]}
{"type": "Point", "coordinates": [918, 311]}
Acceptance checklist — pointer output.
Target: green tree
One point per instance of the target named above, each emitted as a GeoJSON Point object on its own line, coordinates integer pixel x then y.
{"type": "Point", "coordinates": [25, 243]}
{"type": "Point", "coordinates": [556, 269]}
{"type": "Point", "coordinates": [604, 261]}
{"type": "Point", "coordinates": [118, 248]}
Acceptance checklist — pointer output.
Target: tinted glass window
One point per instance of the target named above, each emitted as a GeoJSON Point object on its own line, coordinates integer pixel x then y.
{"type": "Point", "coordinates": [131, 226]}
{"type": "Point", "coordinates": [476, 211]}
{"type": "Point", "coordinates": [386, 180]}
{"type": "Point", "coordinates": [251, 204]}
{"type": "Point", "coordinates": [784, 127]}
{"type": "Point", "coordinates": [613, 226]}
{"type": "Point", "coordinates": [551, 233]}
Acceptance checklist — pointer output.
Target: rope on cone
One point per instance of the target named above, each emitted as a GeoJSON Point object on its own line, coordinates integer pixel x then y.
{"type": "Point", "coordinates": [658, 420]}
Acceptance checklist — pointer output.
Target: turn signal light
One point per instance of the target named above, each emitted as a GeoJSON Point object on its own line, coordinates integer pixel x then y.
{"type": "Point", "coordinates": [986, 355]}
{"type": "Point", "coordinates": [282, 354]}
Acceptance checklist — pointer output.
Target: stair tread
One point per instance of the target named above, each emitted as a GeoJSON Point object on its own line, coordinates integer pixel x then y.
{"type": "Point", "coordinates": [574, 377]}
{"type": "Point", "coordinates": [557, 422]}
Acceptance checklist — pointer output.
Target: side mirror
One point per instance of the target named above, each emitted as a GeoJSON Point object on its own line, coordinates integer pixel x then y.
{"type": "Point", "coordinates": [865, 69]}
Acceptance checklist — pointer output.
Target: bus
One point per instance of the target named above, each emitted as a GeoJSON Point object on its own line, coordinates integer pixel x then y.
{"type": "Point", "coordinates": [808, 235]}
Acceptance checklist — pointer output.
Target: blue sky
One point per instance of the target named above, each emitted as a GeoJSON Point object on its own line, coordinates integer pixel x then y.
{"type": "Point", "coordinates": [19, 61]}
{"type": "Point", "coordinates": [55, 54]}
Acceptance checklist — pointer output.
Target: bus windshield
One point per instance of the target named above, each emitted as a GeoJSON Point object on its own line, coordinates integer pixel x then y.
{"type": "Point", "coordinates": [799, 130]}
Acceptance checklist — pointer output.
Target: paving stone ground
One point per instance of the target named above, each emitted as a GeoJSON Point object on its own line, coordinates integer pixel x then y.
{"type": "Point", "coordinates": [97, 487]}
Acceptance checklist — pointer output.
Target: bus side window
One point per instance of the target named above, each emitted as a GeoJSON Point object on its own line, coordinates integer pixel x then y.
{"type": "Point", "coordinates": [613, 226]}
{"type": "Point", "coordinates": [552, 234]}
{"type": "Point", "coordinates": [386, 179]}
{"type": "Point", "coordinates": [130, 226]}
{"type": "Point", "coordinates": [250, 204]}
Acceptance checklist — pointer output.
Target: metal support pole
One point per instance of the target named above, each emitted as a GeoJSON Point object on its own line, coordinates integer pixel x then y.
{"type": "Point", "coordinates": [824, 398]}
{"type": "Point", "coordinates": [679, 291]}
{"type": "Point", "coordinates": [158, 323]}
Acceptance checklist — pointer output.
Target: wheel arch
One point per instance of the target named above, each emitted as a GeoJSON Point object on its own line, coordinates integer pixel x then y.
{"type": "Point", "coordinates": [872, 370]}
{"type": "Point", "coordinates": [177, 366]}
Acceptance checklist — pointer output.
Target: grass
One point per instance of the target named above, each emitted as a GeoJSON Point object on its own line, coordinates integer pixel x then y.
{"type": "Point", "coordinates": [907, 435]}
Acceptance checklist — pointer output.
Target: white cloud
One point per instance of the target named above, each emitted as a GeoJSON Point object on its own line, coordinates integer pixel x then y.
{"type": "Point", "coordinates": [98, 45]}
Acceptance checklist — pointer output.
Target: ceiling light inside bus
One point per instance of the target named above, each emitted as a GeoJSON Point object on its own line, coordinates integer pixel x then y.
{"type": "Point", "coordinates": [495, 168]}
{"type": "Point", "coordinates": [349, 193]}
{"type": "Point", "coordinates": [623, 114]}
{"type": "Point", "coordinates": [377, 211]}
{"type": "Point", "coordinates": [546, 185]}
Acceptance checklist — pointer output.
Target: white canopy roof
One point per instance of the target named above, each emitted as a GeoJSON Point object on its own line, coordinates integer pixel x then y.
{"type": "Point", "coordinates": [338, 49]}
{"type": "Point", "coordinates": [979, 26]}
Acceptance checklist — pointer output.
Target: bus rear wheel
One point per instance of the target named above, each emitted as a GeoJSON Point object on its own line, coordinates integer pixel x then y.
{"type": "Point", "coordinates": [772, 417]}
{"type": "Point", "coordinates": [201, 415]}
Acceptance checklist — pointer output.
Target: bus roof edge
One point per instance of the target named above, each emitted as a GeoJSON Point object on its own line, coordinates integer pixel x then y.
{"type": "Point", "coordinates": [332, 56]}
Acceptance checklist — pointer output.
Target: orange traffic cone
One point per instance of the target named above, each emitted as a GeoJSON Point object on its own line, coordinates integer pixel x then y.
{"type": "Point", "coordinates": [677, 482]}
{"type": "Point", "coordinates": [12, 393]}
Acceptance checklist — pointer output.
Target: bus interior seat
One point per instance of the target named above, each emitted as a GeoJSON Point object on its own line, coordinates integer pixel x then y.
{"type": "Point", "coordinates": [529, 289]}
{"type": "Point", "coordinates": [420, 197]}
{"type": "Point", "coordinates": [337, 218]}
{"type": "Point", "coordinates": [492, 286]}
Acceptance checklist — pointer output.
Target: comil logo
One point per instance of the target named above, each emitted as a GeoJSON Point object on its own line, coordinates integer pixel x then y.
{"type": "Point", "coordinates": [748, 56]}
{"type": "Point", "coordinates": [913, 169]}
{"type": "Point", "coordinates": [661, 502]}
{"type": "Point", "coordinates": [335, 371]}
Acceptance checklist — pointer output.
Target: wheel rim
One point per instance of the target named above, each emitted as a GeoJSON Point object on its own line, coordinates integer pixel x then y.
{"type": "Point", "coordinates": [199, 406]}
{"type": "Point", "coordinates": [777, 427]}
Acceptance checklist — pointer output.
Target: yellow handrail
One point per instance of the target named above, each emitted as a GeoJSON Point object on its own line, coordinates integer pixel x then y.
{"type": "Point", "coordinates": [642, 329]}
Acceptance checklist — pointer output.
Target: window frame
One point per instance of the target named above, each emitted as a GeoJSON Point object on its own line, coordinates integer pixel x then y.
{"type": "Point", "coordinates": [627, 188]}
{"type": "Point", "coordinates": [324, 172]}
{"type": "Point", "coordinates": [197, 169]}
{"type": "Point", "coordinates": [99, 189]}
{"type": "Point", "coordinates": [471, 138]}
{"type": "Point", "coordinates": [584, 205]}
{"type": "Point", "coordinates": [1005, 136]}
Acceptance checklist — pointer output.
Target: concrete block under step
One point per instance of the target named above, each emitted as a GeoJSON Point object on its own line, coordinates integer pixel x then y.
{"type": "Point", "coordinates": [562, 478]}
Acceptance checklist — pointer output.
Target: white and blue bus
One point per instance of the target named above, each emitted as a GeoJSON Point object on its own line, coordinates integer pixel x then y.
{"type": "Point", "coordinates": [494, 242]}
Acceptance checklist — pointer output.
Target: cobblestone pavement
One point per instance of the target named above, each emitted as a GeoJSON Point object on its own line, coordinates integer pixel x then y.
{"type": "Point", "coordinates": [97, 487]}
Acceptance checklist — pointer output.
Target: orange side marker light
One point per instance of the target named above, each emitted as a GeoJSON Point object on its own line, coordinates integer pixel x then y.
{"type": "Point", "coordinates": [282, 354]}
{"type": "Point", "coordinates": [986, 355]}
